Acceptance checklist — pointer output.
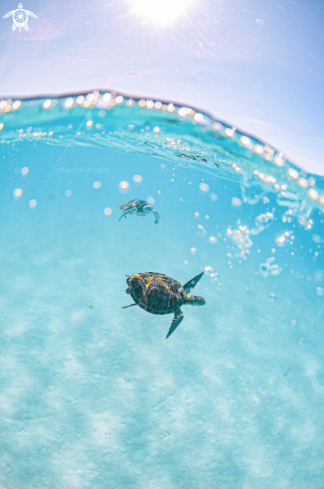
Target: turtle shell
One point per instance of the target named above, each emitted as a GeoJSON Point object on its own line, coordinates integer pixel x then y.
{"type": "Point", "coordinates": [136, 204]}
{"type": "Point", "coordinates": [155, 292]}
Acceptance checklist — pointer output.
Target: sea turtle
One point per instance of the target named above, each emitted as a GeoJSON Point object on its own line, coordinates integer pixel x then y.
{"type": "Point", "coordinates": [160, 294]}
{"type": "Point", "coordinates": [138, 207]}
{"type": "Point", "coordinates": [20, 18]}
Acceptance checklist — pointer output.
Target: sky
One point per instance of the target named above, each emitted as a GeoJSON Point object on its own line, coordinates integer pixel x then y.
{"type": "Point", "coordinates": [257, 64]}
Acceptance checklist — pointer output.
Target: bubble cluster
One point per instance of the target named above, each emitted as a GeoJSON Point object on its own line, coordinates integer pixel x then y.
{"type": "Point", "coordinates": [252, 190]}
{"type": "Point", "coordinates": [212, 274]}
{"type": "Point", "coordinates": [262, 222]}
{"type": "Point", "coordinates": [269, 268]}
{"type": "Point", "coordinates": [287, 199]}
{"type": "Point", "coordinates": [306, 223]}
{"type": "Point", "coordinates": [241, 239]}
{"type": "Point", "coordinates": [297, 209]}
{"type": "Point", "coordinates": [284, 238]}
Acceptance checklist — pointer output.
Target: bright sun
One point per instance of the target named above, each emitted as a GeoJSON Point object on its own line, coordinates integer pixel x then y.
{"type": "Point", "coordinates": [162, 12]}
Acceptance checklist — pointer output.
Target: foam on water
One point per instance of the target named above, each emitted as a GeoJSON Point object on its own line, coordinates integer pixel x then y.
{"type": "Point", "coordinates": [93, 396]}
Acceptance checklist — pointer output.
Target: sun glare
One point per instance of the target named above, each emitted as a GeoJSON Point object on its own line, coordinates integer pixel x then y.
{"type": "Point", "coordinates": [162, 12]}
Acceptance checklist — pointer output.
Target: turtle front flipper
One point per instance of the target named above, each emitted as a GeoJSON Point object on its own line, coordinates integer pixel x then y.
{"type": "Point", "coordinates": [192, 283]}
{"type": "Point", "coordinates": [124, 215]}
{"type": "Point", "coordinates": [157, 217]}
{"type": "Point", "coordinates": [178, 317]}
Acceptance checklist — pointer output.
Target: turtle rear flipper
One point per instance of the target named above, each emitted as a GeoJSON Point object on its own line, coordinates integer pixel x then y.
{"type": "Point", "coordinates": [157, 217]}
{"type": "Point", "coordinates": [178, 317]}
{"type": "Point", "coordinates": [131, 305]}
{"type": "Point", "coordinates": [192, 283]}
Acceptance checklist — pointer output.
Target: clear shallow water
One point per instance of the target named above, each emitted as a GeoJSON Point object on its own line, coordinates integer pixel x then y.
{"type": "Point", "coordinates": [94, 396]}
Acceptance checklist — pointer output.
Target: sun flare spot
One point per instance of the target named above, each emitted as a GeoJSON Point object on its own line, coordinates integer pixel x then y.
{"type": "Point", "coordinates": [161, 12]}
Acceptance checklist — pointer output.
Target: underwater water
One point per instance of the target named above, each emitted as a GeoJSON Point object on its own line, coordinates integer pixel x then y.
{"type": "Point", "coordinates": [93, 395]}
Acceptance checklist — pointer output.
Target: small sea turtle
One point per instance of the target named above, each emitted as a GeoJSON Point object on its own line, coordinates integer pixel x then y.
{"type": "Point", "coordinates": [160, 294]}
{"type": "Point", "coordinates": [138, 207]}
{"type": "Point", "coordinates": [20, 18]}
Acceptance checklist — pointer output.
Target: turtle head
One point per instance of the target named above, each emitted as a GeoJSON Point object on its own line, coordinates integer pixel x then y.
{"type": "Point", "coordinates": [195, 300]}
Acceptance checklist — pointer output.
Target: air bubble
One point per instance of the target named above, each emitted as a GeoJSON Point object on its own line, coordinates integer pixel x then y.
{"type": "Point", "coordinates": [320, 291]}
{"type": "Point", "coordinates": [201, 231]}
{"type": "Point", "coordinates": [237, 202]}
{"type": "Point", "coordinates": [204, 187]}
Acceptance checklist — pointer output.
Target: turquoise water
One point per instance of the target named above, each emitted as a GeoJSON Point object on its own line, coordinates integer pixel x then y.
{"type": "Point", "coordinates": [93, 396]}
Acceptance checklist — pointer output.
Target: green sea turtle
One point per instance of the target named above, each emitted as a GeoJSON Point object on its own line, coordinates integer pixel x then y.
{"type": "Point", "coordinates": [138, 207]}
{"type": "Point", "coordinates": [160, 294]}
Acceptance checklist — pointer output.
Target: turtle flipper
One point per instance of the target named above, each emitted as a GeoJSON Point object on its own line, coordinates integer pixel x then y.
{"type": "Point", "coordinates": [31, 14]}
{"type": "Point", "coordinates": [157, 217]}
{"type": "Point", "coordinates": [192, 283]}
{"type": "Point", "coordinates": [123, 215]}
{"type": "Point", "coordinates": [9, 14]}
{"type": "Point", "coordinates": [125, 307]}
{"type": "Point", "coordinates": [178, 317]}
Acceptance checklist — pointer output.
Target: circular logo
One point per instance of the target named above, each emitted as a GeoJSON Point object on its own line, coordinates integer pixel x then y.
{"type": "Point", "coordinates": [20, 18]}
